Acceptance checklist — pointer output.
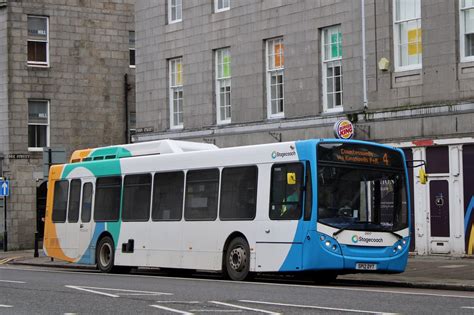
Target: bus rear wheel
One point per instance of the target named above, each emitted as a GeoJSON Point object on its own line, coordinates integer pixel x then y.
{"type": "Point", "coordinates": [237, 259]}
{"type": "Point", "coordinates": [105, 254]}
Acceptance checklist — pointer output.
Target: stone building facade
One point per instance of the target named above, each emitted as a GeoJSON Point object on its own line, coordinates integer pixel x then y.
{"type": "Point", "coordinates": [62, 86]}
{"type": "Point", "coordinates": [246, 72]}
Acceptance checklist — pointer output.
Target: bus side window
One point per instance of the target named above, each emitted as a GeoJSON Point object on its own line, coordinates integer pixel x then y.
{"type": "Point", "coordinates": [61, 189]}
{"type": "Point", "coordinates": [107, 198]}
{"type": "Point", "coordinates": [86, 203]}
{"type": "Point", "coordinates": [308, 201]}
{"type": "Point", "coordinates": [286, 192]}
{"type": "Point", "coordinates": [167, 196]}
{"type": "Point", "coordinates": [74, 199]}
{"type": "Point", "coordinates": [238, 193]}
{"type": "Point", "coordinates": [202, 189]}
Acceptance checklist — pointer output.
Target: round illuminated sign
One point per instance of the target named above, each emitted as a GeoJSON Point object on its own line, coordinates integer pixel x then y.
{"type": "Point", "coordinates": [343, 129]}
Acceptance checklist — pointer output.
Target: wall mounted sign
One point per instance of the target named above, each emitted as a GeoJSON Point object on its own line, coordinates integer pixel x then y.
{"type": "Point", "coordinates": [343, 129]}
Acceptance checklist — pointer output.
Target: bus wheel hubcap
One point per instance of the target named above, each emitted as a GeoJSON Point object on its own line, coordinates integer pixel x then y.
{"type": "Point", "coordinates": [105, 254]}
{"type": "Point", "coordinates": [237, 258]}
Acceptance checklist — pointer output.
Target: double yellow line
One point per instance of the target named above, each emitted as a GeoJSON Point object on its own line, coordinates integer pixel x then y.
{"type": "Point", "coordinates": [4, 261]}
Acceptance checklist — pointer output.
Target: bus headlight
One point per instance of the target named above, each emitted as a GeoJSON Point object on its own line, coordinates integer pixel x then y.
{"type": "Point", "coordinates": [328, 243]}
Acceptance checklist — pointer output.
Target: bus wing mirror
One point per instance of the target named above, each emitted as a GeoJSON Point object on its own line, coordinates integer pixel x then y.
{"type": "Point", "coordinates": [422, 175]}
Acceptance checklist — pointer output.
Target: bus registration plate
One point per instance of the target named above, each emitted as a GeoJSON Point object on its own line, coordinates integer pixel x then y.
{"type": "Point", "coordinates": [366, 266]}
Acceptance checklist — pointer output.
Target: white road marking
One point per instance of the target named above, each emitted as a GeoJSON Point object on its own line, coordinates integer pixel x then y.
{"type": "Point", "coordinates": [452, 266]}
{"type": "Point", "coordinates": [468, 307]}
{"type": "Point", "coordinates": [179, 302]}
{"type": "Point", "coordinates": [3, 305]}
{"type": "Point", "coordinates": [216, 311]}
{"type": "Point", "coordinates": [128, 292]}
{"type": "Point", "coordinates": [12, 281]}
{"type": "Point", "coordinates": [91, 291]}
{"type": "Point", "coordinates": [311, 306]}
{"type": "Point", "coordinates": [243, 282]}
{"type": "Point", "coordinates": [244, 308]}
{"type": "Point", "coordinates": [171, 310]}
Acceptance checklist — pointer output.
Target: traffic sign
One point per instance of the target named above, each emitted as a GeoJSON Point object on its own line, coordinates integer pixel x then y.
{"type": "Point", "coordinates": [4, 187]}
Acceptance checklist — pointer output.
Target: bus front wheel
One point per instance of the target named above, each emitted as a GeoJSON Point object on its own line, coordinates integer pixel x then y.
{"type": "Point", "coordinates": [105, 254]}
{"type": "Point", "coordinates": [237, 259]}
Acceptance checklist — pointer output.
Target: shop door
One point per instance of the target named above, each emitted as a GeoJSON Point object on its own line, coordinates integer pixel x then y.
{"type": "Point", "coordinates": [439, 216]}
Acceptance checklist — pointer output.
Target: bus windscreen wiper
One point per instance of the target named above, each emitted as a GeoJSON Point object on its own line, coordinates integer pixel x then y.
{"type": "Point", "coordinates": [398, 236]}
{"type": "Point", "coordinates": [346, 228]}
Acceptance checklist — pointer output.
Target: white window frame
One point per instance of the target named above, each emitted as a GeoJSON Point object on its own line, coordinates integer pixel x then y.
{"type": "Point", "coordinates": [223, 81]}
{"type": "Point", "coordinates": [36, 149]}
{"type": "Point", "coordinates": [271, 72]}
{"type": "Point", "coordinates": [174, 87]}
{"type": "Point", "coordinates": [43, 64]}
{"type": "Point", "coordinates": [130, 48]}
{"type": "Point", "coordinates": [325, 62]}
{"type": "Point", "coordinates": [462, 32]}
{"type": "Point", "coordinates": [396, 41]}
{"type": "Point", "coordinates": [175, 4]}
{"type": "Point", "coordinates": [224, 8]}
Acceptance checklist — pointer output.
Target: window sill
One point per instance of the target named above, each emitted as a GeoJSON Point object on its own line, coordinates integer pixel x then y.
{"type": "Point", "coordinates": [132, 67]}
{"type": "Point", "coordinates": [276, 116]}
{"type": "Point", "coordinates": [173, 27]}
{"type": "Point", "coordinates": [332, 111]}
{"type": "Point", "coordinates": [38, 65]}
{"type": "Point", "coordinates": [466, 69]}
{"type": "Point", "coordinates": [175, 128]}
{"type": "Point", "coordinates": [407, 78]}
{"type": "Point", "coordinates": [36, 149]}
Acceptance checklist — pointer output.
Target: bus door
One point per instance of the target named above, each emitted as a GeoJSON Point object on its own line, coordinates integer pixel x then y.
{"type": "Point", "coordinates": [278, 245]}
{"type": "Point", "coordinates": [84, 228]}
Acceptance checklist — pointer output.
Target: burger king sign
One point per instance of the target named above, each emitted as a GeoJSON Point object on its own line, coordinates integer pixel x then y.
{"type": "Point", "coordinates": [343, 129]}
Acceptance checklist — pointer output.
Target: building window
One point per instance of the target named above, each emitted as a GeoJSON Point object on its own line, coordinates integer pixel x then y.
{"type": "Point", "coordinates": [223, 85]}
{"type": "Point", "coordinates": [221, 5]}
{"type": "Point", "coordinates": [38, 124]}
{"type": "Point", "coordinates": [176, 93]}
{"type": "Point", "coordinates": [38, 35]}
{"type": "Point", "coordinates": [131, 48]}
{"type": "Point", "coordinates": [467, 30]}
{"type": "Point", "coordinates": [332, 68]}
{"type": "Point", "coordinates": [175, 10]}
{"type": "Point", "coordinates": [275, 77]}
{"type": "Point", "coordinates": [407, 34]}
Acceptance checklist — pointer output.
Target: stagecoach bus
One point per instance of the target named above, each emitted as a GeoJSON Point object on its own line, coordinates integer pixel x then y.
{"type": "Point", "coordinates": [324, 207]}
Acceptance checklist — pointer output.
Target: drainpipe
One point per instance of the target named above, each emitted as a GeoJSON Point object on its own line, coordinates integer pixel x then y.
{"type": "Point", "coordinates": [364, 57]}
{"type": "Point", "coordinates": [126, 88]}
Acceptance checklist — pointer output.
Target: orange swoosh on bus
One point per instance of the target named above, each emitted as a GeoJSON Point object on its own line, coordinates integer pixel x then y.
{"type": "Point", "coordinates": [52, 244]}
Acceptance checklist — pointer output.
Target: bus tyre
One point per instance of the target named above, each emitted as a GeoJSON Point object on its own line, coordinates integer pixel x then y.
{"type": "Point", "coordinates": [237, 259]}
{"type": "Point", "coordinates": [105, 254]}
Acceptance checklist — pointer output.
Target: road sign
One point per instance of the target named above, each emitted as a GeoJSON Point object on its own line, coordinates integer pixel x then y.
{"type": "Point", "coordinates": [4, 187]}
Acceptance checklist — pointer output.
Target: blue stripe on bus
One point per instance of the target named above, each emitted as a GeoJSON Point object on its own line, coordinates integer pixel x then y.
{"type": "Point", "coordinates": [88, 257]}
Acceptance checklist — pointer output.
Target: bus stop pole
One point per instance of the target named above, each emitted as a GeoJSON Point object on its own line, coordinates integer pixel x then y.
{"type": "Point", "coordinates": [5, 234]}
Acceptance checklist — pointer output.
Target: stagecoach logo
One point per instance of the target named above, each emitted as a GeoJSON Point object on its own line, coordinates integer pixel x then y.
{"type": "Point", "coordinates": [276, 154]}
{"type": "Point", "coordinates": [356, 239]}
{"type": "Point", "coordinates": [343, 129]}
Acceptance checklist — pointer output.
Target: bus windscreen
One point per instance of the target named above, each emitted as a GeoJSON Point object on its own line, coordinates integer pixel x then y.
{"type": "Point", "coordinates": [359, 195]}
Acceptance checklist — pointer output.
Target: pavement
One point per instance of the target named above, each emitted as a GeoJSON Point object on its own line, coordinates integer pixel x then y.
{"type": "Point", "coordinates": [428, 272]}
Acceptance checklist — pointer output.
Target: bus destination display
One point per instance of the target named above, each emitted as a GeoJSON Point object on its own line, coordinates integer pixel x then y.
{"type": "Point", "coordinates": [359, 154]}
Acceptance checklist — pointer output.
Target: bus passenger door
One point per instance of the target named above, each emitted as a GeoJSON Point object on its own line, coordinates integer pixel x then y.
{"type": "Point", "coordinates": [85, 227]}
{"type": "Point", "coordinates": [279, 245]}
